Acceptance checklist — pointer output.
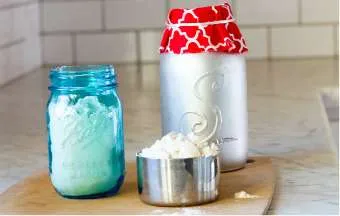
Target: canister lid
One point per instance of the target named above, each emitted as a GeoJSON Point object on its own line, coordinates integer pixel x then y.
{"type": "Point", "coordinates": [202, 29]}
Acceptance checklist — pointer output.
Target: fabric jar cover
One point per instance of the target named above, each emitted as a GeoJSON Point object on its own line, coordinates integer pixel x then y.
{"type": "Point", "coordinates": [203, 29]}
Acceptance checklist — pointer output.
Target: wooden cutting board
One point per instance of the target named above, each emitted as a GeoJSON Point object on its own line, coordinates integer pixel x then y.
{"type": "Point", "coordinates": [35, 195]}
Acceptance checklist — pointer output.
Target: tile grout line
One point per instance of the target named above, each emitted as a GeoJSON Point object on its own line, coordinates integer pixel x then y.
{"type": "Point", "coordinates": [128, 30]}
{"type": "Point", "coordinates": [335, 38]}
{"type": "Point", "coordinates": [41, 29]}
{"type": "Point", "coordinates": [292, 58]}
{"type": "Point", "coordinates": [287, 24]}
{"type": "Point", "coordinates": [269, 42]}
{"type": "Point", "coordinates": [98, 31]}
{"type": "Point", "coordinates": [74, 48]}
{"type": "Point", "coordinates": [138, 47]}
{"type": "Point", "coordinates": [12, 43]}
{"type": "Point", "coordinates": [167, 6]}
{"type": "Point", "coordinates": [42, 53]}
{"type": "Point", "coordinates": [234, 7]}
{"type": "Point", "coordinates": [299, 12]}
{"type": "Point", "coordinates": [103, 15]}
{"type": "Point", "coordinates": [17, 5]}
{"type": "Point", "coordinates": [66, 0]}
{"type": "Point", "coordinates": [69, 0]}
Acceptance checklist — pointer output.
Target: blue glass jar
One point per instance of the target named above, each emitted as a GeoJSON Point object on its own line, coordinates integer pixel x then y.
{"type": "Point", "coordinates": [85, 132]}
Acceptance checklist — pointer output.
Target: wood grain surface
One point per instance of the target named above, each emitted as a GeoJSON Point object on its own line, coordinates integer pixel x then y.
{"type": "Point", "coordinates": [35, 195]}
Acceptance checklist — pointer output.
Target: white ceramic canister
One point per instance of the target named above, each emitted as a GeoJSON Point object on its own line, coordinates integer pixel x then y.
{"type": "Point", "coordinates": [203, 80]}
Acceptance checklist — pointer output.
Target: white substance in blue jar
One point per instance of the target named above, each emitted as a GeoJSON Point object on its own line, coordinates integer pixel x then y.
{"type": "Point", "coordinates": [82, 139]}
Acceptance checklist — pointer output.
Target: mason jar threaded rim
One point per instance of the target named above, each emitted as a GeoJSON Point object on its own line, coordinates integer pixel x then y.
{"type": "Point", "coordinates": [82, 76]}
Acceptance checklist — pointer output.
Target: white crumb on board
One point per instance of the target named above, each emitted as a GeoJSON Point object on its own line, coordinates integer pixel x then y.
{"type": "Point", "coordinates": [181, 211]}
{"type": "Point", "coordinates": [245, 195]}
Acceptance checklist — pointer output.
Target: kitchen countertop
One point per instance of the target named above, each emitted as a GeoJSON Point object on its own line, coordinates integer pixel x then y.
{"type": "Point", "coordinates": [284, 122]}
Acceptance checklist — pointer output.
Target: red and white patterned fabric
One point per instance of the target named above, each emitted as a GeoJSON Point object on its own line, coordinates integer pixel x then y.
{"type": "Point", "coordinates": [204, 29]}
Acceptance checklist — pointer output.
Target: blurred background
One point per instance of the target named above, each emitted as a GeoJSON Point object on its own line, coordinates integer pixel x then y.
{"type": "Point", "coordinates": [45, 32]}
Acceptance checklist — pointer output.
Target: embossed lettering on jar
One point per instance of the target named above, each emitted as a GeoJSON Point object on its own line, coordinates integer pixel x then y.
{"type": "Point", "coordinates": [85, 132]}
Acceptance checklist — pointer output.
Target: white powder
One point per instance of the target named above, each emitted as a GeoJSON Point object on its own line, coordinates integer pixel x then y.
{"type": "Point", "coordinates": [82, 146]}
{"type": "Point", "coordinates": [176, 145]}
{"type": "Point", "coordinates": [180, 211]}
{"type": "Point", "coordinates": [245, 195]}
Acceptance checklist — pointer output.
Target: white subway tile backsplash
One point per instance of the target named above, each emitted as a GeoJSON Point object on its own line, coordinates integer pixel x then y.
{"type": "Point", "coordinates": [24, 22]}
{"type": "Point", "coordinates": [19, 23]}
{"type": "Point", "coordinates": [194, 3]}
{"type": "Point", "coordinates": [57, 49]}
{"type": "Point", "coordinates": [149, 41]}
{"type": "Point", "coordinates": [257, 42]}
{"type": "Point", "coordinates": [71, 15]}
{"type": "Point", "coordinates": [4, 3]}
{"type": "Point", "coordinates": [6, 26]}
{"type": "Point", "coordinates": [257, 12]}
{"type": "Point", "coordinates": [19, 38]}
{"type": "Point", "coordinates": [4, 63]}
{"type": "Point", "coordinates": [316, 11]}
{"type": "Point", "coordinates": [304, 41]}
{"type": "Point", "coordinates": [20, 27]}
{"type": "Point", "coordinates": [20, 59]}
{"type": "Point", "coordinates": [106, 48]}
{"type": "Point", "coordinates": [32, 54]}
{"type": "Point", "coordinates": [136, 14]}
{"type": "Point", "coordinates": [290, 36]}
{"type": "Point", "coordinates": [17, 61]}
{"type": "Point", "coordinates": [12, 3]}
{"type": "Point", "coordinates": [32, 20]}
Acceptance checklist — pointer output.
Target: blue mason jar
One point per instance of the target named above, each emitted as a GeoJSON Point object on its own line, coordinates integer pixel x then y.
{"type": "Point", "coordinates": [85, 132]}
